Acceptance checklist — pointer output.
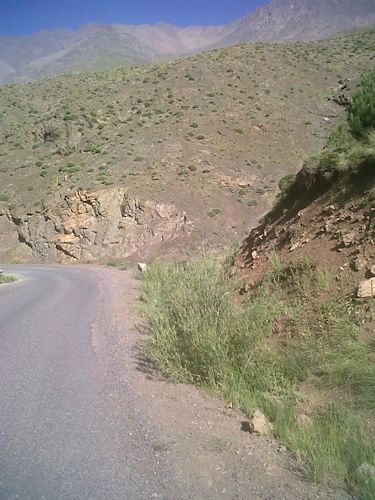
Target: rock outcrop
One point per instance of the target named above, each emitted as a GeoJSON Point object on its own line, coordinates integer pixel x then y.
{"type": "Point", "coordinates": [84, 226]}
{"type": "Point", "coordinates": [366, 289]}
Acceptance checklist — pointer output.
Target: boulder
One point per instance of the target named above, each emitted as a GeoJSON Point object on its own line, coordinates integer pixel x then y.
{"type": "Point", "coordinates": [366, 289]}
{"type": "Point", "coordinates": [259, 423]}
{"type": "Point", "coordinates": [142, 267]}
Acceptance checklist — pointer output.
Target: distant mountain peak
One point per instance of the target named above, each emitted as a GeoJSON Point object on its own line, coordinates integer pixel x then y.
{"type": "Point", "coordinates": [50, 52]}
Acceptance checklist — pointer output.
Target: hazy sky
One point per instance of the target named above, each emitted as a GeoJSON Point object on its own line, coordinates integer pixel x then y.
{"type": "Point", "coordinates": [26, 16]}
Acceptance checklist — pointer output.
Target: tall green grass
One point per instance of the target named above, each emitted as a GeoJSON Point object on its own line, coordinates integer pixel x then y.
{"type": "Point", "coordinates": [293, 328]}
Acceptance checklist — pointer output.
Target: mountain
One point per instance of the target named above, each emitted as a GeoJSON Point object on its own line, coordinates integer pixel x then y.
{"type": "Point", "coordinates": [210, 135]}
{"type": "Point", "coordinates": [301, 20]}
{"type": "Point", "coordinates": [98, 46]}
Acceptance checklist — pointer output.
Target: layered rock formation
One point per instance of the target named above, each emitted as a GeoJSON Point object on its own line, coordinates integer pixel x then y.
{"type": "Point", "coordinates": [83, 226]}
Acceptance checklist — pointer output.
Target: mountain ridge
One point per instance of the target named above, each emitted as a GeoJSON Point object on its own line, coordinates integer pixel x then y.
{"type": "Point", "coordinates": [98, 46]}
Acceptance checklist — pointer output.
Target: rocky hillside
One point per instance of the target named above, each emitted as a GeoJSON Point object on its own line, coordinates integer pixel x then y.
{"type": "Point", "coordinates": [100, 47]}
{"type": "Point", "coordinates": [326, 213]}
{"type": "Point", "coordinates": [302, 20]}
{"type": "Point", "coordinates": [211, 135]}
{"type": "Point", "coordinates": [333, 225]}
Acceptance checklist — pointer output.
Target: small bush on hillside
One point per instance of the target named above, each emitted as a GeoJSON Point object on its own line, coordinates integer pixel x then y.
{"type": "Point", "coordinates": [361, 115]}
{"type": "Point", "coordinates": [341, 138]}
{"type": "Point", "coordinates": [214, 212]}
{"type": "Point", "coordinates": [328, 161]}
{"type": "Point", "coordinates": [4, 196]}
{"type": "Point", "coordinates": [286, 182]}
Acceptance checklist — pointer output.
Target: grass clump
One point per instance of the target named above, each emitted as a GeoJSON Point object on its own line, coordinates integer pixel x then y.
{"type": "Point", "coordinates": [293, 331]}
{"type": "Point", "coordinates": [4, 196]}
{"type": "Point", "coordinates": [7, 278]}
{"type": "Point", "coordinates": [214, 212]}
{"type": "Point", "coordinates": [199, 335]}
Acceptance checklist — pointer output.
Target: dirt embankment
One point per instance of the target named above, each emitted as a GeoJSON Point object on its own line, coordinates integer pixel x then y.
{"type": "Point", "coordinates": [330, 221]}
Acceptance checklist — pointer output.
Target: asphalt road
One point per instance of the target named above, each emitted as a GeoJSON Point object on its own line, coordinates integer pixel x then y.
{"type": "Point", "coordinates": [63, 432]}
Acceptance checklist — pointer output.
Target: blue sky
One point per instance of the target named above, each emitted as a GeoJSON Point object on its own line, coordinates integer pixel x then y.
{"type": "Point", "coordinates": [27, 16]}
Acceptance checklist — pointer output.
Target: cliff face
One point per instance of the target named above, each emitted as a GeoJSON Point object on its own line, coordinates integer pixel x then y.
{"type": "Point", "coordinates": [84, 226]}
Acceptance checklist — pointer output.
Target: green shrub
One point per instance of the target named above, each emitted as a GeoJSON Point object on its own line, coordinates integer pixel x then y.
{"type": "Point", "coordinates": [286, 182]}
{"type": "Point", "coordinates": [243, 191]}
{"type": "Point", "coordinates": [361, 115]}
{"type": "Point", "coordinates": [341, 138]}
{"type": "Point", "coordinates": [328, 161]}
{"type": "Point", "coordinates": [4, 196]}
{"type": "Point", "coordinates": [214, 212]}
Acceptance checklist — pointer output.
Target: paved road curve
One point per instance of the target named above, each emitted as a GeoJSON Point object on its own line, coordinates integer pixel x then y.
{"type": "Point", "coordinates": [59, 434]}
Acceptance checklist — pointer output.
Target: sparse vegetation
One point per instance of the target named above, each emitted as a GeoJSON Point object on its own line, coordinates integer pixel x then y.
{"type": "Point", "coordinates": [4, 196]}
{"type": "Point", "coordinates": [350, 149]}
{"type": "Point", "coordinates": [214, 212]}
